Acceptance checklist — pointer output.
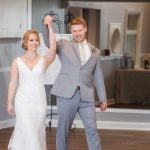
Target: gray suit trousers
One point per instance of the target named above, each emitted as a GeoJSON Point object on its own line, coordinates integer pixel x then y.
{"type": "Point", "coordinates": [67, 109]}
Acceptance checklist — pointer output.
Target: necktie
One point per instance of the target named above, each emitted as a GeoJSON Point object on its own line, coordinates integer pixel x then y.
{"type": "Point", "coordinates": [82, 53]}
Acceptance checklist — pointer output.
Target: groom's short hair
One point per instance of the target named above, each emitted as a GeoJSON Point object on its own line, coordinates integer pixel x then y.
{"type": "Point", "coordinates": [77, 21]}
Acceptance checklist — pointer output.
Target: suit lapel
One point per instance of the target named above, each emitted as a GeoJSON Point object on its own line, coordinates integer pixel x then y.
{"type": "Point", "coordinates": [93, 50]}
{"type": "Point", "coordinates": [76, 50]}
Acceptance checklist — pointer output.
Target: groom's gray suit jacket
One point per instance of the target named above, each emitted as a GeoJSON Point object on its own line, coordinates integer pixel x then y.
{"type": "Point", "coordinates": [73, 74]}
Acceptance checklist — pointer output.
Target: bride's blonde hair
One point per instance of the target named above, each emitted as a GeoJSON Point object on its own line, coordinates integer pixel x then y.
{"type": "Point", "coordinates": [26, 37]}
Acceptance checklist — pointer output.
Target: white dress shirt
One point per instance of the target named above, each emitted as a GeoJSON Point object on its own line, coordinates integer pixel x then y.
{"type": "Point", "coordinates": [84, 51]}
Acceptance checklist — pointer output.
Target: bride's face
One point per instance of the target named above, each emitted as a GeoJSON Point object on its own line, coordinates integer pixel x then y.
{"type": "Point", "coordinates": [33, 42]}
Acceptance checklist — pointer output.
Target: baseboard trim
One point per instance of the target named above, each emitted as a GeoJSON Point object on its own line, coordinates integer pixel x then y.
{"type": "Point", "coordinates": [127, 111]}
{"type": "Point", "coordinates": [101, 124]}
{"type": "Point", "coordinates": [111, 125]}
{"type": "Point", "coordinates": [7, 123]}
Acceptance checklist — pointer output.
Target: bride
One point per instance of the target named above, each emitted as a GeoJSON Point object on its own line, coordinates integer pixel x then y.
{"type": "Point", "coordinates": [30, 99]}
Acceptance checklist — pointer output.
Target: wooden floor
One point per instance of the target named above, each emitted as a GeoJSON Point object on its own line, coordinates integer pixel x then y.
{"type": "Point", "coordinates": [111, 139]}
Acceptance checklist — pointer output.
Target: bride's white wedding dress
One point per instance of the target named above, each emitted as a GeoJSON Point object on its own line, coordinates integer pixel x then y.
{"type": "Point", "coordinates": [30, 108]}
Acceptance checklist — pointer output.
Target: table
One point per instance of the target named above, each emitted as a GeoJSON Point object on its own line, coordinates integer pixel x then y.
{"type": "Point", "coordinates": [133, 86]}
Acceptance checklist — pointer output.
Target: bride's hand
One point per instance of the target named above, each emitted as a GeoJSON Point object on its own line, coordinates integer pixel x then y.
{"type": "Point", "coordinates": [10, 110]}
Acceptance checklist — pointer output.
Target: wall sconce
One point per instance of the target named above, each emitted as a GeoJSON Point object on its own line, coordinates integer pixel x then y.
{"type": "Point", "coordinates": [68, 17]}
{"type": "Point", "coordinates": [56, 19]}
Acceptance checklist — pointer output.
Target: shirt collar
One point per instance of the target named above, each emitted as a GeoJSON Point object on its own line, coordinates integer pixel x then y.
{"type": "Point", "coordinates": [83, 42]}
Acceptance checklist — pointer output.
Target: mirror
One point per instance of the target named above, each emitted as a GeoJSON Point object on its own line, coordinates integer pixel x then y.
{"type": "Point", "coordinates": [115, 37]}
{"type": "Point", "coordinates": [115, 41]}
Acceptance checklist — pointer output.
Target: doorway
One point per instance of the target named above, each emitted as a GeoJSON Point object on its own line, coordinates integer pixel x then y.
{"type": "Point", "coordinates": [92, 17]}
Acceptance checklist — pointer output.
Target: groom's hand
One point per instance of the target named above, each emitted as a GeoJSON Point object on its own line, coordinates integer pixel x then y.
{"type": "Point", "coordinates": [103, 106]}
{"type": "Point", "coordinates": [48, 20]}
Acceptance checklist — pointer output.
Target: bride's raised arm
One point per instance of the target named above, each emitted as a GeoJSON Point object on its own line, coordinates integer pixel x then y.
{"type": "Point", "coordinates": [51, 54]}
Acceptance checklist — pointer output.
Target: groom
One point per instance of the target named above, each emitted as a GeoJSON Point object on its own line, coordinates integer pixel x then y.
{"type": "Point", "coordinates": [74, 87]}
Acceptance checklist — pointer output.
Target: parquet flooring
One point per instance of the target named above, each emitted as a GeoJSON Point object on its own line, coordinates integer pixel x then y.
{"type": "Point", "coordinates": [111, 139]}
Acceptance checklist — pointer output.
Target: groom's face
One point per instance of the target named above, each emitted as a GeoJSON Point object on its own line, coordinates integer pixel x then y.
{"type": "Point", "coordinates": [78, 31]}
